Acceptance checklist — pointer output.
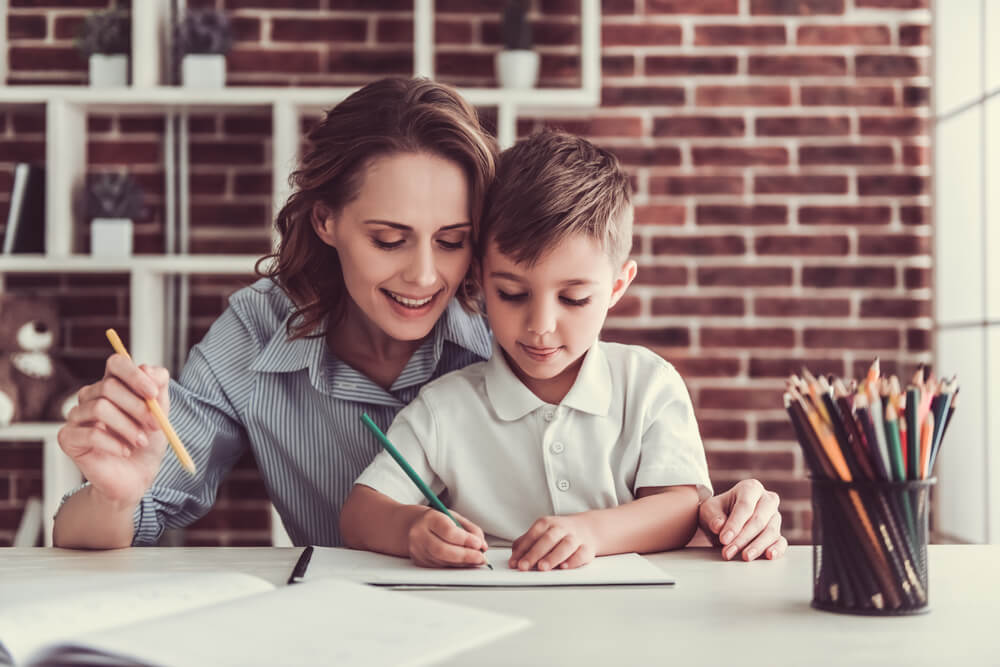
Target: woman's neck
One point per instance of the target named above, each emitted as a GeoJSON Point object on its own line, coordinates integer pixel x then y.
{"type": "Point", "coordinates": [361, 344]}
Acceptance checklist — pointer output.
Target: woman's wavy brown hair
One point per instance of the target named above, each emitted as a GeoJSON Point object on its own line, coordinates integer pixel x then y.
{"type": "Point", "coordinates": [386, 117]}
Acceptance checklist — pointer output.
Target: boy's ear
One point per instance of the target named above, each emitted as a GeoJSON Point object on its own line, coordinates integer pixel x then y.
{"type": "Point", "coordinates": [323, 221]}
{"type": "Point", "coordinates": [624, 278]}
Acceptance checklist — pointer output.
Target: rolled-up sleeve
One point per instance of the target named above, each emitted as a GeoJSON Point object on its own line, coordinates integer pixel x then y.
{"type": "Point", "coordinates": [413, 435]}
{"type": "Point", "coordinates": [672, 452]}
{"type": "Point", "coordinates": [203, 411]}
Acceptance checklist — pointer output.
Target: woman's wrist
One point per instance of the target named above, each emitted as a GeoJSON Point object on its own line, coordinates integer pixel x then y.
{"type": "Point", "coordinates": [106, 504]}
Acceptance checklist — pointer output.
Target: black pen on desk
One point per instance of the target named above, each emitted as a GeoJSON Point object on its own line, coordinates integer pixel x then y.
{"type": "Point", "coordinates": [299, 571]}
{"type": "Point", "coordinates": [412, 474]}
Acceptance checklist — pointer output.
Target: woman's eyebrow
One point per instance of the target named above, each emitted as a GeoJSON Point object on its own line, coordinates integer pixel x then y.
{"type": "Point", "coordinates": [406, 228]}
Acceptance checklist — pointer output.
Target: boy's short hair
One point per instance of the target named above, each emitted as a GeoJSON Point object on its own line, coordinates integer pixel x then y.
{"type": "Point", "coordinates": [552, 185]}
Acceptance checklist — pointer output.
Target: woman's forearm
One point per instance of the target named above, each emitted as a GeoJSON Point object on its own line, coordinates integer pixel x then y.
{"type": "Point", "coordinates": [87, 520]}
{"type": "Point", "coordinates": [375, 522]}
{"type": "Point", "coordinates": [662, 518]}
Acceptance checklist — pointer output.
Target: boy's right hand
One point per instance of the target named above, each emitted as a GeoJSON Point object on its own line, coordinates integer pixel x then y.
{"type": "Point", "coordinates": [435, 541]}
{"type": "Point", "coordinates": [112, 436]}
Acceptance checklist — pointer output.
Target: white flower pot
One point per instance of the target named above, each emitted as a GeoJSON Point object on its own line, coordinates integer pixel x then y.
{"type": "Point", "coordinates": [111, 237]}
{"type": "Point", "coordinates": [203, 70]}
{"type": "Point", "coordinates": [108, 71]}
{"type": "Point", "coordinates": [517, 68]}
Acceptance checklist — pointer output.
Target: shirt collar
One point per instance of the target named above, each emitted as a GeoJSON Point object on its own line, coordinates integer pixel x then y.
{"type": "Point", "coordinates": [467, 330]}
{"type": "Point", "coordinates": [281, 355]}
{"type": "Point", "coordinates": [591, 392]}
{"type": "Point", "coordinates": [510, 398]}
{"type": "Point", "coordinates": [456, 325]}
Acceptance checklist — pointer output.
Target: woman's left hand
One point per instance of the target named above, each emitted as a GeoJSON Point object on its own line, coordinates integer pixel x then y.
{"type": "Point", "coordinates": [745, 520]}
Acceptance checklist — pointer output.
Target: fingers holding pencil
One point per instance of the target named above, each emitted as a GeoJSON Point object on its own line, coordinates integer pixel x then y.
{"type": "Point", "coordinates": [159, 415]}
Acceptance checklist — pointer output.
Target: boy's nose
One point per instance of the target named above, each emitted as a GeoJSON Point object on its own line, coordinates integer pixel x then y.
{"type": "Point", "coordinates": [541, 320]}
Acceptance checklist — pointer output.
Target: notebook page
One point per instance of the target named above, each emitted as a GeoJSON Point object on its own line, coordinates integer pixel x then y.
{"type": "Point", "coordinates": [323, 621]}
{"type": "Point", "coordinates": [37, 610]}
{"type": "Point", "coordinates": [382, 570]}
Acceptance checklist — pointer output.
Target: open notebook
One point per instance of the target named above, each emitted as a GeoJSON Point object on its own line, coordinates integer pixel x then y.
{"type": "Point", "coordinates": [231, 618]}
{"type": "Point", "coordinates": [378, 569]}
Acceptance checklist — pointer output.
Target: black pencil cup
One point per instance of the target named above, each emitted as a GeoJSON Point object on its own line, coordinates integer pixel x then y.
{"type": "Point", "coordinates": [870, 546]}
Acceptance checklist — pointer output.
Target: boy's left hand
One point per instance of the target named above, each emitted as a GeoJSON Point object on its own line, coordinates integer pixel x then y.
{"type": "Point", "coordinates": [552, 542]}
{"type": "Point", "coordinates": [745, 520]}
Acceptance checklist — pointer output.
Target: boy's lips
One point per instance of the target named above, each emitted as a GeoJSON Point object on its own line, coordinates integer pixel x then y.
{"type": "Point", "coordinates": [539, 353]}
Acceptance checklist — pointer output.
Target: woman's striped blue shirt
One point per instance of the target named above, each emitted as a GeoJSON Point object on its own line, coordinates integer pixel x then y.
{"type": "Point", "coordinates": [295, 406]}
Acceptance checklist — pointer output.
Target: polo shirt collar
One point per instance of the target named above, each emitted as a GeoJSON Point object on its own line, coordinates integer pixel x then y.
{"type": "Point", "coordinates": [510, 398]}
{"type": "Point", "coordinates": [591, 392]}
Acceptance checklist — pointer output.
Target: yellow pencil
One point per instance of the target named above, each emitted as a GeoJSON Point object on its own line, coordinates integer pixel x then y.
{"type": "Point", "coordinates": [154, 407]}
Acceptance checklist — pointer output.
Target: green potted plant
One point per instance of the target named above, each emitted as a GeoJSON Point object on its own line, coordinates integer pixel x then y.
{"type": "Point", "coordinates": [114, 200]}
{"type": "Point", "coordinates": [105, 38]}
{"type": "Point", "coordinates": [204, 36]}
{"type": "Point", "coordinates": [517, 63]}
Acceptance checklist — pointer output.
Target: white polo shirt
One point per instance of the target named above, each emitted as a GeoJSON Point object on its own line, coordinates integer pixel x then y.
{"type": "Point", "coordinates": [506, 457]}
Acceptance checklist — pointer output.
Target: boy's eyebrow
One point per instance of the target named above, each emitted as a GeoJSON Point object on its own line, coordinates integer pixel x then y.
{"type": "Point", "coordinates": [406, 228]}
{"type": "Point", "coordinates": [504, 275]}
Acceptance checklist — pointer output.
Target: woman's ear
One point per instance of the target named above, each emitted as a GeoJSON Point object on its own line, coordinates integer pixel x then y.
{"type": "Point", "coordinates": [624, 278]}
{"type": "Point", "coordinates": [324, 224]}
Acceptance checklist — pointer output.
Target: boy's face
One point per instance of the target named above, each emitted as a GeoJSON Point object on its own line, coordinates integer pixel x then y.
{"type": "Point", "coordinates": [546, 316]}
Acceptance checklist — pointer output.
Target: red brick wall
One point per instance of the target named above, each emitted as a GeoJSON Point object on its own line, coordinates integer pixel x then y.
{"type": "Point", "coordinates": [779, 150]}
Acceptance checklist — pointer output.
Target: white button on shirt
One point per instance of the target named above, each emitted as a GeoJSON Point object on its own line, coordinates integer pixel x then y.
{"type": "Point", "coordinates": [507, 458]}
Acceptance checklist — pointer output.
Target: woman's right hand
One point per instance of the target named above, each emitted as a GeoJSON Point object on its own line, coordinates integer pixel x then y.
{"type": "Point", "coordinates": [435, 541]}
{"type": "Point", "coordinates": [112, 436]}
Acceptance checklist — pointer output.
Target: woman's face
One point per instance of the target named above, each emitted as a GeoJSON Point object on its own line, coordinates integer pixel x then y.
{"type": "Point", "coordinates": [404, 242]}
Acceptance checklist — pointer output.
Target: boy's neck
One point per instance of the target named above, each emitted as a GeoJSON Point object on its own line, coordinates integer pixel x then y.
{"type": "Point", "coordinates": [551, 390]}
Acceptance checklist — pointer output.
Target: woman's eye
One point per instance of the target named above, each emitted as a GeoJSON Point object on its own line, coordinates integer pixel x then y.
{"type": "Point", "coordinates": [388, 245]}
{"type": "Point", "coordinates": [452, 245]}
{"type": "Point", "coordinates": [511, 297]}
{"type": "Point", "coordinates": [575, 302]}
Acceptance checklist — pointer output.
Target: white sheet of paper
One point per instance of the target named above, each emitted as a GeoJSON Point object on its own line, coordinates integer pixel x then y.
{"type": "Point", "coordinates": [322, 621]}
{"type": "Point", "coordinates": [379, 569]}
{"type": "Point", "coordinates": [34, 611]}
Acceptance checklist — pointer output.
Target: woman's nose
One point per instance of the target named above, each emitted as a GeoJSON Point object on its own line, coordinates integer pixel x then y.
{"type": "Point", "coordinates": [421, 270]}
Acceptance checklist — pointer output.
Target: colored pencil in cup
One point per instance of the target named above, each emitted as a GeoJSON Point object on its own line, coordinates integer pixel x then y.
{"type": "Point", "coordinates": [175, 443]}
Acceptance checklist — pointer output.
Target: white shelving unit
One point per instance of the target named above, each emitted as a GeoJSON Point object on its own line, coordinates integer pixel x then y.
{"type": "Point", "coordinates": [66, 109]}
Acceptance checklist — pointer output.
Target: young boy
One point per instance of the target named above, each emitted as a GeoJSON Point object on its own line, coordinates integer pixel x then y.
{"type": "Point", "coordinates": [569, 447]}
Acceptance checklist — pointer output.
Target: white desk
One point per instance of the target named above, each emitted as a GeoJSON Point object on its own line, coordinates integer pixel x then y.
{"type": "Point", "coordinates": [719, 613]}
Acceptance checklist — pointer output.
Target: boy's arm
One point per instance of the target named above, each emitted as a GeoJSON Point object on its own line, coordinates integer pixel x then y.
{"type": "Point", "coordinates": [659, 519]}
{"type": "Point", "coordinates": [375, 522]}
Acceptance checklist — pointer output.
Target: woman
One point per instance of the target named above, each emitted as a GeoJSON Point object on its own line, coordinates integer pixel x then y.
{"type": "Point", "coordinates": [368, 299]}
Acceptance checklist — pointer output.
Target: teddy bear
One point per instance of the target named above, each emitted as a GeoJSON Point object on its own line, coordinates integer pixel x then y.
{"type": "Point", "coordinates": [34, 384]}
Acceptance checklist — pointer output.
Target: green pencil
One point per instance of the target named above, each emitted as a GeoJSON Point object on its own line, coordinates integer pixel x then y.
{"type": "Point", "coordinates": [410, 472]}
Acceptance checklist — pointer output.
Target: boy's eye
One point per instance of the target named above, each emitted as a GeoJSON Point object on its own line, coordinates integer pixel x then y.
{"type": "Point", "coordinates": [506, 296]}
{"type": "Point", "coordinates": [575, 302]}
{"type": "Point", "coordinates": [387, 245]}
